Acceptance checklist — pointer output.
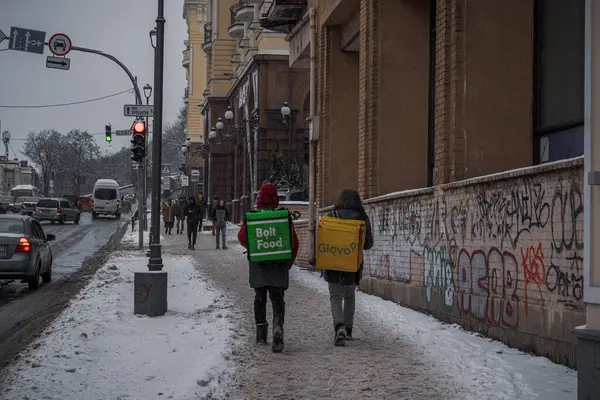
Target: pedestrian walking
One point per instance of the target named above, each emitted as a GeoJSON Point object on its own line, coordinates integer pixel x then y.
{"type": "Point", "coordinates": [270, 277]}
{"type": "Point", "coordinates": [342, 285]}
{"type": "Point", "coordinates": [220, 214]}
{"type": "Point", "coordinates": [177, 209]}
{"type": "Point", "coordinates": [167, 214]}
{"type": "Point", "coordinates": [192, 213]}
{"type": "Point", "coordinates": [202, 204]}
{"type": "Point", "coordinates": [213, 205]}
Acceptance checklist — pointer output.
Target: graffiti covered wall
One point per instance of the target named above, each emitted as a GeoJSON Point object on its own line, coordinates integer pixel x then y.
{"type": "Point", "coordinates": [501, 255]}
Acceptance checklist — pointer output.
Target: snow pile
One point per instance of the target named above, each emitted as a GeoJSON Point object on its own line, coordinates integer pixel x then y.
{"type": "Point", "coordinates": [134, 237]}
{"type": "Point", "coordinates": [97, 349]}
{"type": "Point", "coordinates": [485, 366]}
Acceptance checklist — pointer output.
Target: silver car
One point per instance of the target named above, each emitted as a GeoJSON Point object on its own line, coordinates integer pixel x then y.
{"type": "Point", "coordinates": [24, 250]}
{"type": "Point", "coordinates": [56, 210]}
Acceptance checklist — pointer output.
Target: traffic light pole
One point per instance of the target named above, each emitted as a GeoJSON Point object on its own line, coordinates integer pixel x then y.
{"type": "Point", "coordinates": [138, 95]}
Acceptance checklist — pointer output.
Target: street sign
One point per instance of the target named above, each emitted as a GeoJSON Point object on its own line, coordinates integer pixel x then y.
{"type": "Point", "coordinates": [2, 36]}
{"type": "Point", "coordinates": [58, 63]}
{"type": "Point", "coordinates": [60, 44]}
{"type": "Point", "coordinates": [132, 110]}
{"type": "Point", "coordinates": [165, 170]}
{"type": "Point", "coordinates": [195, 175]}
{"type": "Point", "coordinates": [123, 132]}
{"type": "Point", "coordinates": [26, 40]}
{"type": "Point", "coordinates": [185, 181]}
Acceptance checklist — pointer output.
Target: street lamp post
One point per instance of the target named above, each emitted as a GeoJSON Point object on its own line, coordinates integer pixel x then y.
{"type": "Point", "coordinates": [150, 288]}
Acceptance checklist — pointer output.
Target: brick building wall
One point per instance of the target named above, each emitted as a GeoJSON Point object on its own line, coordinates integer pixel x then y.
{"type": "Point", "coordinates": [499, 254]}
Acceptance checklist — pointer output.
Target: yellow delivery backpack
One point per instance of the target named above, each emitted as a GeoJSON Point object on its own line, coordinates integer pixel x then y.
{"type": "Point", "coordinates": [340, 244]}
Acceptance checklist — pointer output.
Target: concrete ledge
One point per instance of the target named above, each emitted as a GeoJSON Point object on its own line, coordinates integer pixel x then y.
{"type": "Point", "coordinates": [588, 363]}
{"type": "Point", "coordinates": [150, 293]}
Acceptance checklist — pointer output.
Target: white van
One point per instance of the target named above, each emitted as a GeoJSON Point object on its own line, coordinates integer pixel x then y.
{"type": "Point", "coordinates": [106, 199]}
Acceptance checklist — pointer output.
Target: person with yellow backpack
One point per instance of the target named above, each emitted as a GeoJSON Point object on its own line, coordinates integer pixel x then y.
{"type": "Point", "coordinates": [341, 238]}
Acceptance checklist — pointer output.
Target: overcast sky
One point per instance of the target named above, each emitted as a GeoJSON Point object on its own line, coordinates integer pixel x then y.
{"type": "Point", "coordinates": [117, 27]}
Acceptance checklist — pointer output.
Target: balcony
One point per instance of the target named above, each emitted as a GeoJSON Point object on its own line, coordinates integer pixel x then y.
{"type": "Point", "coordinates": [186, 58]}
{"type": "Point", "coordinates": [186, 95]}
{"type": "Point", "coordinates": [208, 37]}
{"type": "Point", "coordinates": [236, 29]}
{"type": "Point", "coordinates": [244, 11]}
{"type": "Point", "coordinates": [283, 15]}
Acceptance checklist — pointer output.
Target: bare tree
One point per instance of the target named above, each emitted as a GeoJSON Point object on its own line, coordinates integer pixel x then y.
{"type": "Point", "coordinates": [44, 149]}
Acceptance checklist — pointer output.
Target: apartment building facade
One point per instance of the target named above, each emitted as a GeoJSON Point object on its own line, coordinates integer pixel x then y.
{"type": "Point", "coordinates": [194, 61]}
{"type": "Point", "coordinates": [249, 84]}
{"type": "Point", "coordinates": [461, 123]}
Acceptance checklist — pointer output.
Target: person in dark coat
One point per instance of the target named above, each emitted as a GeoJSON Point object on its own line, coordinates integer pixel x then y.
{"type": "Point", "coordinates": [342, 285]}
{"type": "Point", "coordinates": [220, 215]}
{"type": "Point", "coordinates": [192, 213]}
{"type": "Point", "coordinates": [202, 204]}
{"type": "Point", "coordinates": [269, 277]}
{"type": "Point", "coordinates": [177, 210]}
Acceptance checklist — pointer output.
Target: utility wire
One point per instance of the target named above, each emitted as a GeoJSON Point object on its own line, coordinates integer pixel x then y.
{"type": "Point", "coordinates": [69, 104]}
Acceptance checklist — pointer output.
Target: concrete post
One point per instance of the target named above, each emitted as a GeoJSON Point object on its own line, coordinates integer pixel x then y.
{"type": "Point", "coordinates": [588, 336]}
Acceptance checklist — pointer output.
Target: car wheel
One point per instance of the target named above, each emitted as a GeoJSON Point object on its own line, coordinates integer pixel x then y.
{"type": "Point", "coordinates": [33, 282]}
{"type": "Point", "coordinates": [47, 276]}
{"type": "Point", "coordinates": [94, 216]}
{"type": "Point", "coordinates": [63, 219]}
{"type": "Point", "coordinates": [77, 218]}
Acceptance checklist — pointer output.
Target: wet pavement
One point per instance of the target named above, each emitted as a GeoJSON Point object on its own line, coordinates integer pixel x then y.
{"type": "Point", "coordinates": [77, 252]}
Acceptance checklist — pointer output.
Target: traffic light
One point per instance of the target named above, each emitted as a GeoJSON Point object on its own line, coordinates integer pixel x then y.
{"type": "Point", "coordinates": [107, 128]}
{"type": "Point", "coordinates": [138, 140]}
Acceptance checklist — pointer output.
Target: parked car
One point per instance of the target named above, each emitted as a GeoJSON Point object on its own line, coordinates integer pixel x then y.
{"type": "Point", "coordinates": [292, 195]}
{"type": "Point", "coordinates": [24, 250]}
{"type": "Point", "coordinates": [84, 203]}
{"type": "Point", "coordinates": [28, 205]}
{"type": "Point", "coordinates": [56, 210]}
{"type": "Point", "coordinates": [16, 207]}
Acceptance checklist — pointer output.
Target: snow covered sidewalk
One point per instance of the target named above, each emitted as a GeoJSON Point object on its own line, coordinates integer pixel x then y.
{"type": "Point", "coordinates": [399, 354]}
{"type": "Point", "coordinates": [97, 349]}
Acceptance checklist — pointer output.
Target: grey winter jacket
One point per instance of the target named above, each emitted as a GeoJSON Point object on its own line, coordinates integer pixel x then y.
{"type": "Point", "coordinates": [349, 206]}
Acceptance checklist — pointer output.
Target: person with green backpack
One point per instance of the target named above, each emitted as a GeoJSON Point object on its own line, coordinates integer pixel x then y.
{"type": "Point", "coordinates": [269, 236]}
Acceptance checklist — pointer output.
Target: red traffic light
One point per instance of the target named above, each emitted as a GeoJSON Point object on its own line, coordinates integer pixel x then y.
{"type": "Point", "coordinates": [138, 128]}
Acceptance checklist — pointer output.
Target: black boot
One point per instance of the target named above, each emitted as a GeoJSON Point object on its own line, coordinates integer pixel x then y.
{"type": "Point", "coordinates": [190, 244]}
{"type": "Point", "coordinates": [340, 336]}
{"type": "Point", "coordinates": [278, 344]}
{"type": "Point", "coordinates": [261, 333]}
{"type": "Point", "coordinates": [348, 333]}
{"type": "Point", "coordinates": [217, 247]}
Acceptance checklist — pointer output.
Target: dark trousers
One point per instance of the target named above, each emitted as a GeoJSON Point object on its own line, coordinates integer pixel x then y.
{"type": "Point", "coordinates": [180, 225]}
{"type": "Point", "coordinates": [192, 230]}
{"type": "Point", "coordinates": [277, 301]}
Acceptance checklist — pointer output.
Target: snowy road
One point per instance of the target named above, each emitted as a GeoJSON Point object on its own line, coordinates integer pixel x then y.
{"type": "Point", "coordinates": [24, 314]}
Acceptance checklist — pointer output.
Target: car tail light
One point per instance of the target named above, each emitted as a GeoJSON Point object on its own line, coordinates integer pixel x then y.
{"type": "Point", "coordinates": [22, 205]}
{"type": "Point", "coordinates": [34, 209]}
{"type": "Point", "coordinates": [58, 210]}
{"type": "Point", "coordinates": [24, 246]}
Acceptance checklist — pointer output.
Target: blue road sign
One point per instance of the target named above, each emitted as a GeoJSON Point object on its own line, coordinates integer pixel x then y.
{"type": "Point", "coordinates": [27, 40]}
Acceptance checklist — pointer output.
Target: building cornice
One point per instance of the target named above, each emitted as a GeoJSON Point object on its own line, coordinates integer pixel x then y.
{"type": "Point", "coordinates": [187, 4]}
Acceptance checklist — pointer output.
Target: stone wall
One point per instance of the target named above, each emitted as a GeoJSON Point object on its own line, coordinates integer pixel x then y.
{"type": "Point", "coordinates": [499, 254]}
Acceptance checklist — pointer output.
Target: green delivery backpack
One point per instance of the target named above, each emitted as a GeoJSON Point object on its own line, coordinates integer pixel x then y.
{"type": "Point", "coordinates": [269, 234]}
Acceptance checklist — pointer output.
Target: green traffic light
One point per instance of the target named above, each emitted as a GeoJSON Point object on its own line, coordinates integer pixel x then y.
{"type": "Point", "coordinates": [109, 139]}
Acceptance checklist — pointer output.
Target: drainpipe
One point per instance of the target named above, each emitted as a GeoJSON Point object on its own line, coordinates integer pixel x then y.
{"type": "Point", "coordinates": [312, 169]}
